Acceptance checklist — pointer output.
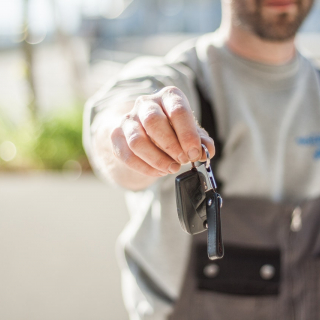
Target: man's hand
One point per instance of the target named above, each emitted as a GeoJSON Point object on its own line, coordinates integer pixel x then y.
{"type": "Point", "coordinates": [159, 134]}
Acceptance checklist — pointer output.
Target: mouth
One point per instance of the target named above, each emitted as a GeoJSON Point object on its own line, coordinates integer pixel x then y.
{"type": "Point", "coordinates": [281, 5]}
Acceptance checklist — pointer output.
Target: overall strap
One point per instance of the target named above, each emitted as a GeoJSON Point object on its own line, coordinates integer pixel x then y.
{"type": "Point", "coordinates": [208, 122]}
{"type": "Point", "coordinates": [207, 108]}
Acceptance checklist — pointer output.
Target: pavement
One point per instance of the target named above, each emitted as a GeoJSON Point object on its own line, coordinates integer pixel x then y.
{"type": "Point", "coordinates": [57, 248]}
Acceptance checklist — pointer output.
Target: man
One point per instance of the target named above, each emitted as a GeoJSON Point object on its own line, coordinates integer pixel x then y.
{"type": "Point", "coordinates": [266, 101]}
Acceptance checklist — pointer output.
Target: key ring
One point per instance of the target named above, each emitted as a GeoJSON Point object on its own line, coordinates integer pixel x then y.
{"type": "Point", "coordinates": [207, 154]}
{"type": "Point", "coordinates": [208, 157]}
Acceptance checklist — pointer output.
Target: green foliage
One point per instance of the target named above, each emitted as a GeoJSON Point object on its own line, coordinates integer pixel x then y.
{"type": "Point", "coordinates": [46, 144]}
{"type": "Point", "coordinates": [59, 139]}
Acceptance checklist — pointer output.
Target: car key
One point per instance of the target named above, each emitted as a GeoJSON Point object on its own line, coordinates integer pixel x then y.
{"type": "Point", "coordinates": [198, 205]}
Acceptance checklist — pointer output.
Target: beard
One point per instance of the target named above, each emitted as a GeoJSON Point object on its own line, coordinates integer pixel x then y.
{"type": "Point", "coordinates": [279, 26]}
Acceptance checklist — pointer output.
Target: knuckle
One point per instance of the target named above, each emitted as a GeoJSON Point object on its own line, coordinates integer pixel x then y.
{"type": "Point", "coordinates": [118, 152]}
{"type": "Point", "coordinates": [174, 147]}
{"type": "Point", "coordinates": [179, 110]}
{"type": "Point", "coordinates": [115, 134]}
{"type": "Point", "coordinates": [151, 118]}
{"type": "Point", "coordinates": [176, 102]}
{"type": "Point", "coordinates": [190, 139]}
{"type": "Point", "coordinates": [150, 172]}
{"type": "Point", "coordinates": [135, 141]}
{"type": "Point", "coordinates": [161, 163]}
{"type": "Point", "coordinates": [128, 159]}
{"type": "Point", "coordinates": [172, 90]}
{"type": "Point", "coordinates": [141, 99]}
{"type": "Point", "coordinates": [125, 119]}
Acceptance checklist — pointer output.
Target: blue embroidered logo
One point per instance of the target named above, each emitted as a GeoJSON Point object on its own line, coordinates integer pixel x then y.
{"type": "Point", "coordinates": [312, 140]}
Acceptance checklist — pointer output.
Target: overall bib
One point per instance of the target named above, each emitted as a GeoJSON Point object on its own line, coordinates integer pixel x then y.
{"type": "Point", "coordinates": [271, 267]}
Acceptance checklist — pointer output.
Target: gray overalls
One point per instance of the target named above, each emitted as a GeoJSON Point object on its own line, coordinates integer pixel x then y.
{"type": "Point", "coordinates": [271, 268]}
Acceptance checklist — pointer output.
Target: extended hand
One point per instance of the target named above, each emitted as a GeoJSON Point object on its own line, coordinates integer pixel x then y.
{"type": "Point", "coordinates": [159, 134]}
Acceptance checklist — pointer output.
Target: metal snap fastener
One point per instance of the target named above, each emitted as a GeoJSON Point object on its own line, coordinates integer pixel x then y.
{"type": "Point", "coordinates": [211, 270]}
{"type": "Point", "coordinates": [267, 271]}
{"type": "Point", "coordinates": [296, 220]}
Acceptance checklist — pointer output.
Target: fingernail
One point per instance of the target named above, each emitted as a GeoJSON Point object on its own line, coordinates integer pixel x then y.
{"type": "Point", "coordinates": [162, 174]}
{"type": "Point", "coordinates": [174, 167]}
{"type": "Point", "coordinates": [193, 154]}
{"type": "Point", "coordinates": [183, 158]}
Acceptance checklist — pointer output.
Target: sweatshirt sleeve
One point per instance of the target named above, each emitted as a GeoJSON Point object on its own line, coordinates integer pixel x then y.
{"type": "Point", "coordinates": [142, 76]}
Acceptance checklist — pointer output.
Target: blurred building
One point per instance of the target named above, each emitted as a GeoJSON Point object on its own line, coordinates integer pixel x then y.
{"type": "Point", "coordinates": [144, 19]}
{"type": "Point", "coordinates": [79, 45]}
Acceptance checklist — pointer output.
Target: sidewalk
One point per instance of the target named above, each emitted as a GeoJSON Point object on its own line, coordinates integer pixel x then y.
{"type": "Point", "coordinates": [57, 240]}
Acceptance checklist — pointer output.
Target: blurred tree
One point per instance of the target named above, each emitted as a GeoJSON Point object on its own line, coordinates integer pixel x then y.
{"type": "Point", "coordinates": [68, 45]}
{"type": "Point", "coordinates": [28, 52]}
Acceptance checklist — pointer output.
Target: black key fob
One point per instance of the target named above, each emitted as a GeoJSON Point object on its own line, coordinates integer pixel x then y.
{"type": "Point", "coordinates": [190, 198]}
{"type": "Point", "coordinates": [198, 205]}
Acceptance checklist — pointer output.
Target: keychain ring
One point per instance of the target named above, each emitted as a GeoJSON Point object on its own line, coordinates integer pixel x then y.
{"type": "Point", "coordinates": [207, 154]}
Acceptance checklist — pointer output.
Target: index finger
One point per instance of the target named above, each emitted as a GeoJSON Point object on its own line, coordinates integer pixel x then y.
{"type": "Point", "coordinates": [176, 107]}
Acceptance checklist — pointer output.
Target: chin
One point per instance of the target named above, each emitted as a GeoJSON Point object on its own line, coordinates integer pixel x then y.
{"type": "Point", "coordinates": [278, 26]}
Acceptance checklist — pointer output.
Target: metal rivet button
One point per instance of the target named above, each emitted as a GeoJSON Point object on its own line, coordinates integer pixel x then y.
{"type": "Point", "coordinates": [296, 220]}
{"type": "Point", "coordinates": [211, 270]}
{"type": "Point", "coordinates": [267, 272]}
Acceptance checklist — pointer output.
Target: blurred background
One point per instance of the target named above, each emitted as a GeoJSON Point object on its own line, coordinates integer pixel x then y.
{"type": "Point", "coordinates": [58, 223]}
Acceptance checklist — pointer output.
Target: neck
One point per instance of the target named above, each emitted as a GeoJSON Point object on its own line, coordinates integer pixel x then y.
{"type": "Point", "coordinates": [248, 45]}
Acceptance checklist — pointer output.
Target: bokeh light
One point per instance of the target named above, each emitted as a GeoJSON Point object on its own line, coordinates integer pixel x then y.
{"type": "Point", "coordinates": [72, 170]}
{"type": "Point", "coordinates": [8, 151]}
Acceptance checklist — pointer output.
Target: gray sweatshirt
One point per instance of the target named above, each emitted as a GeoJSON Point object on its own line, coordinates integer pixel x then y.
{"type": "Point", "coordinates": [268, 119]}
